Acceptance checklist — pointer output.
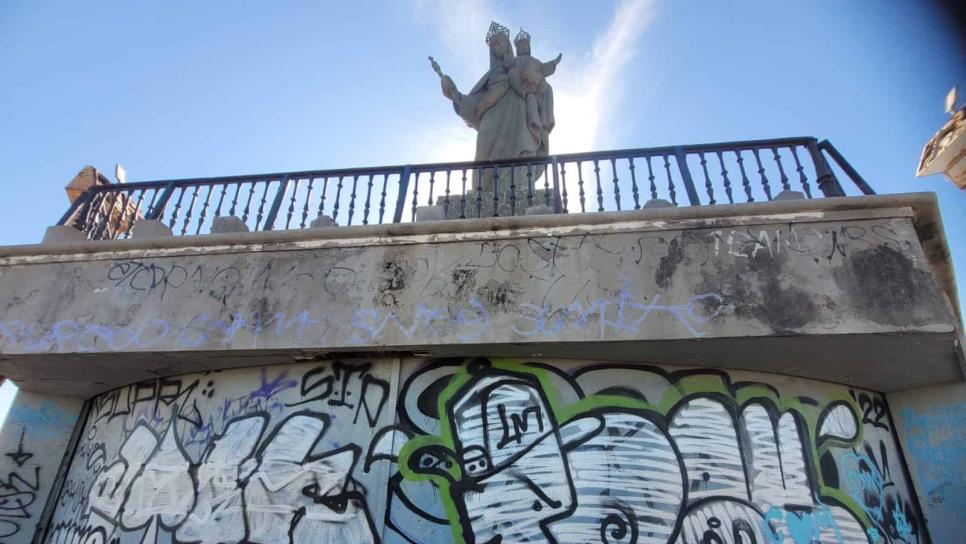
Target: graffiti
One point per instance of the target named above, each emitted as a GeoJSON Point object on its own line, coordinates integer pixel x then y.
{"type": "Point", "coordinates": [481, 451]}
{"type": "Point", "coordinates": [346, 385]}
{"type": "Point", "coordinates": [932, 440]}
{"type": "Point", "coordinates": [18, 490]}
{"type": "Point", "coordinates": [262, 463]}
{"type": "Point", "coordinates": [871, 485]}
{"type": "Point", "coordinates": [611, 453]}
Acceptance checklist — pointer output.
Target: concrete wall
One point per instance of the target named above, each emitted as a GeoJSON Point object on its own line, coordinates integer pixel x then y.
{"type": "Point", "coordinates": [33, 441]}
{"type": "Point", "coordinates": [845, 291]}
{"type": "Point", "coordinates": [485, 450]}
{"type": "Point", "coordinates": [931, 423]}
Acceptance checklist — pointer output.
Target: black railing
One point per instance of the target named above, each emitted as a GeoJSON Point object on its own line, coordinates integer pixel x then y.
{"type": "Point", "coordinates": [625, 179]}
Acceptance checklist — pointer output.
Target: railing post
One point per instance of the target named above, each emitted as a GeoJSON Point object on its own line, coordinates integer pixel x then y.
{"type": "Point", "coordinates": [846, 166]}
{"type": "Point", "coordinates": [401, 194]}
{"type": "Point", "coordinates": [276, 204]}
{"type": "Point", "coordinates": [682, 161]}
{"type": "Point", "coordinates": [78, 203]}
{"type": "Point", "coordinates": [158, 209]}
{"type": "Point", "coordinates": [824, 177]}
{"type": "Point", "coordinates": [557, 205]}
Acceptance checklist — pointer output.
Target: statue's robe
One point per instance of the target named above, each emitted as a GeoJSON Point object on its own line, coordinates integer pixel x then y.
{"type": "Point", "coordinates": [516, 126]}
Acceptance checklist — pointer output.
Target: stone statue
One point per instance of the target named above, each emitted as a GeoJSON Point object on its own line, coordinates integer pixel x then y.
{"type": "Point", "coordinates": [511, 108]}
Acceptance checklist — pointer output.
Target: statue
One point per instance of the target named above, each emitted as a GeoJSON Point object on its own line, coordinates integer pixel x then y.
{"type": "Point", "coordinates": [511, 108]}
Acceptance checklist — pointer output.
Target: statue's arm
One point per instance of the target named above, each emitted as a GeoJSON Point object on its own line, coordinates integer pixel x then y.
{"type": "Point", "coordinates": [493, 95]}
{"type": "Point", "coordinates": [548, 68]}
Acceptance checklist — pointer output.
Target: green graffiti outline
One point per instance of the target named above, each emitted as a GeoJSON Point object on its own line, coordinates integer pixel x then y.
{"type": "Point", "coordinates": [680, 390]}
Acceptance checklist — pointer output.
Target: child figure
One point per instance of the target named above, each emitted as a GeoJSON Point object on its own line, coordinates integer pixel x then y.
{"type": "Point", "coordinates": [528, 75]}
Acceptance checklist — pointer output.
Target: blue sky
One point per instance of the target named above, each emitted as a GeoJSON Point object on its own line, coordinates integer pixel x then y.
{"type": "Point", "coordinates": [179, 89]}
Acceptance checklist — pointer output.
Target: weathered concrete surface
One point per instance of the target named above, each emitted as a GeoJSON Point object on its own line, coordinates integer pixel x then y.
{"type": "Point", "coordinates": [34, 440]}
{"type": "Point", "coordinates": [931, 423]}
{"type": "Point", "coordinates": [669, 282]}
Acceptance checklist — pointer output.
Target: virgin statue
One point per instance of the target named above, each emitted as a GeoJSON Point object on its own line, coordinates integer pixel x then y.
{"type": "Point", "coordinates": [511, 108]}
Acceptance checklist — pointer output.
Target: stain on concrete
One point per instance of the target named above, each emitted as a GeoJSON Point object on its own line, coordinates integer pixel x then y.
{"type": "Point", "coordinates": [669, 263]}
{"type": "Point", "coordinates": [463, 279]}
{"type": "Point", "coordinates": [395, 276]}
{"type": "Point", "coordinates": [499, 296]}
{"type": "Point", "coordinates": [759, 288]}
{"type": "Point", "coordinates": [885, 286]}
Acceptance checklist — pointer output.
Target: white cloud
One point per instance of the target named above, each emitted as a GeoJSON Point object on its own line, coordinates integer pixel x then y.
{"type": "Point", "coordinates": [587, 90]}
{"type": "Point", "coordinates": [587, 95]}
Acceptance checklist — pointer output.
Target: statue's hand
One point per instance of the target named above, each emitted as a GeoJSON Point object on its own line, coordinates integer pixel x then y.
{"type": "Point", "coordinates": [548, 68]}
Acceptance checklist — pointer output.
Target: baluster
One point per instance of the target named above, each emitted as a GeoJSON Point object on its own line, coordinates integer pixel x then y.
{"type": "Point", "coordinates": [177, 207]}
{"type": "Point", "coordinates": [134, 213]}
{"type": "Point", "coordinates": [617, 189]}
{"type": "Point", "coordinates": [308, 198]}
{"type": "Point", "coordinates": [365, 211]}
{"type": "Point", "coordinates": [724, 175]}
{"type": "Point", "coordinates": [650, 178]}
{"type": "Point", "coordinates": [530, 185]}
{"type": "Point", "coordinates": [432, 186]}
{"type": "Point", "coordinates": [221, 199]}
{"type": "Point", "coordinates": [87, 215]}
{"type": "Point", "coordinates": [97, 216]}
{"type": "Point", "coordinates": [781, 170]}
{"type": "Point", "coordinates": [479, 192]}
{"type": "Point", "coordinates": [352, 198]}
{"type": "Point", "coordinates": [382, 200]}
{"type": "Point", "coordinates": [761, 172]}
{"type": "Point", "coordinates": [496, 191]}
{"type": "Point", "coordinates": [801, 173]}
{"type": "Point", "coordinates": [600, 192]}
{"type": "Point", "coordinates": [204, 209]}
{"type": "Point", "coordinates": [563, 186]}
{"type": "Point", "coordinates": [546, 186]}
{"type": "Point", "coordinates": [637, 201]}
{"type": "Point", "coordinates": [446, 196]}
{"type": "Point", "coordinates": [291, 203]}
{"type": "Point", "coordinates": [90, 223]}
{"type": "Point", "coordinates": [248, 202]}
{"type": "Point", "coordinates": [191, 206]}
{"type": "Point", "coordinates": [580, 184]}
{"type": "Point", "coordinates": [513, 191]}
{"type": "Point", "coordinates": [707, 179]}
{"type": "Point", "coordinates": [463, 196]}
{"type": "Point", "coordinates": [670, 180]}
{"type": "Point", "coordinates": [261, 204]}
{"type": "Point", "coordinates": [745, 182]}
{"type": "Point", "coordinates": [234, 200]}
{"type": "Point", "coordinates": [106, 212]}
{"type": "Point", "coordinates": [338, 200]}
{"type": "Point", "coordinates": [415, 193]}
{"type": "Point", "coordinates": [325, 189]}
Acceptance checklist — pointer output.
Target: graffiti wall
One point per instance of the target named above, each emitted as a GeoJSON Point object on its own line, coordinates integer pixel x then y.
{"type": "Point", "coordinates": [485, 451]}
{"type": "Point", "coordinates": [33, 440]}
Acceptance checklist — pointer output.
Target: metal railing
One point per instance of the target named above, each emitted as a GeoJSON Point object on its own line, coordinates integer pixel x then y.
{"type": "Point", "coordinates": [695, 175]}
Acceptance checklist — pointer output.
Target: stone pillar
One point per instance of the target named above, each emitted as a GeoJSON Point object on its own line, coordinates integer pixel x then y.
{"type": "Point", "coordinates": [33, 441]}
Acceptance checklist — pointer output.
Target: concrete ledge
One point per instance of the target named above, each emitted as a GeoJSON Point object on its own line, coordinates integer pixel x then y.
{"type": "Point", "coordinates": [62, 234]}
{"type": "Point", "coordinates": [876, 362]}
{"type": "Point", "coordinates": [150, 229]}
{"type": "Point", "coordinates": [228, 223]}
{"type": "Point", "coordinates": [922, 203]}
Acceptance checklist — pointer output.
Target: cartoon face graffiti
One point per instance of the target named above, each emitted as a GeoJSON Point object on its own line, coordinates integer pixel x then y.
{"type": "Point", "coordinates": [515, 473]}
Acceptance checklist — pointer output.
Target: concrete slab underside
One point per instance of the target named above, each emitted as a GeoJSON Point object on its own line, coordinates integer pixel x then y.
{"type": "Point", "coordinates": [852, 290]}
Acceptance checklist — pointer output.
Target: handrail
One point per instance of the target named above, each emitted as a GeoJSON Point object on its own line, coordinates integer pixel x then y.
{"type": "Point", "coordinates": [729, 172]}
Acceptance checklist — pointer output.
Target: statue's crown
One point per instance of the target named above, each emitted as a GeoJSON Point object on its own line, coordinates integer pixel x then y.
{"type": "Point", "coordinates": [522, 36]}
{"type": "Point", "coordinates": [496, 29]}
